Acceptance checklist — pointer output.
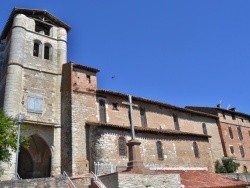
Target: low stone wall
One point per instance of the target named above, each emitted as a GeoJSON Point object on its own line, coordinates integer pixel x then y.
{"type": "Point", "coordinates": [123, 180]}
{"type": "Point", "coordinates": [37, 183]}
{"type": "Point", "coordinates": [239, 176]}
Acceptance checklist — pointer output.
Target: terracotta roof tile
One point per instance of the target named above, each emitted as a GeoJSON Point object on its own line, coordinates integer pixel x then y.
{"type": "Point", "coordinates": [143, 129]}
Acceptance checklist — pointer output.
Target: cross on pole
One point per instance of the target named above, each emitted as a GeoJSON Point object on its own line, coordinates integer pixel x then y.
{"type": "Point", "coordinates": [130, 104]}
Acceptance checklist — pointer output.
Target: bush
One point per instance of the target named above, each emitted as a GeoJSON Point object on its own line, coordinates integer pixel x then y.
{"type": "Point", "coordinates": [228, 166]}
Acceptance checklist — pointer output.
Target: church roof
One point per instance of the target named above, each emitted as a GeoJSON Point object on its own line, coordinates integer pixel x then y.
{"type": "Point", "coordinates": [135, 98]}
{"type": "Point", "coordinates": [148, 130]}
{"type": "Point", "coordinates": [31, 13]}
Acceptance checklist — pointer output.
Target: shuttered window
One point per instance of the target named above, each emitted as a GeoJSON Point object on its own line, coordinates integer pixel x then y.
{"type": "Point", "coordinates": [242, 152]}
{"type": "Point", "coordinates": [240, 133]}
{"type": "Point", "coordinates": [230, 132]}
{"type": "Point", "coordinates": [35, 104]}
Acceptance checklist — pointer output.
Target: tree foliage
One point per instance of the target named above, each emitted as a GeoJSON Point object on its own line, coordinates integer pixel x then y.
{"type": "Point", "coordinates": [228, 166]}
{"type": "Point", "coordinates": [8, 137]}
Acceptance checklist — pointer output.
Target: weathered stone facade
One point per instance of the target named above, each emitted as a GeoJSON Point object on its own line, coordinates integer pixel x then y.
{"type": "Point", "coordinates": [31, 83]}
{"type": "Point", "coordinates": [87, 143]}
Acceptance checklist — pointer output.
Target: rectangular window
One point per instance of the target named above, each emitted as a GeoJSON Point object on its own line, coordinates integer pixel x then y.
{"type": "Point", "coordinates": [35, 104]}
{"type": "Point", "coordinates": [242, 153]}
{"type": "Point", "coordinates": [230, 132]}
{"type": "Point", "coordinates": [240, 133]}
{"type": "Point", "coordinates": [88, 78]}
{"type": "Point", "coordinates": [233, 116]}
{"type": "Point", "coordinates": [231, 149]}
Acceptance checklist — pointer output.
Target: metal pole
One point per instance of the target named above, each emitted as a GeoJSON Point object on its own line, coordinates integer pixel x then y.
{"type": "Point", "coordinates": [17, 150]}
{"type": "Point", "coordinates": [131, 117]}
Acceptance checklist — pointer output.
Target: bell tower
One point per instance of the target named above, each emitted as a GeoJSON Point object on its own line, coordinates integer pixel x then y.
{"type": "Point", "coordinates": [32, 52]}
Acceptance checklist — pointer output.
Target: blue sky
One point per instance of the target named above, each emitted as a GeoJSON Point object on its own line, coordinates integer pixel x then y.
{"type": "Point", "coordinates": [178, 52]}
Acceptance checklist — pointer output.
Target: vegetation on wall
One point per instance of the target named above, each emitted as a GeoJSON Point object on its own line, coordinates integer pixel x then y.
{"type": "Point", "coordinates": [228, 166]}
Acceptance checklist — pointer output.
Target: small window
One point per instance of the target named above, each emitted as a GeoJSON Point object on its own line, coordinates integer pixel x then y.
{"type": "Point", "coordinates": [204, 127]}
{"type": "Point", "coordinates": [34, 104]}
{"type": "Point", "coordinates": [122, 146]}
{"type": "Point", "coordinates": [115, 106]}
{"type": "Point", "coordinates": [231, 149]}
{"type": "Point", "coordinates": [242, 119]}
{"type": "Point", "coordinates": [102, 111]}
{"type": "Point", "coordinates": [196, 150]}
{"type": "Point", "coordinates": [233, 116]}
{"type": "Point", "coordinates": [176, 122]}
{"type": "Point", "coordinates": [88, 78]}
{"type": "Point", "coordinates": [36, 49]}
{"type": "Point", "coordinates": [47, 51]}
{"type": "Point", "coordinates": [242, 153]}
{"type": "Point", "coordinates": [230, 132]}
{"type": "Point", "coordinates": [159, 150]}
{"type": "Point", "coordinates": [240, 133]}
{"type": "Point", "coordinates": [143, 117]}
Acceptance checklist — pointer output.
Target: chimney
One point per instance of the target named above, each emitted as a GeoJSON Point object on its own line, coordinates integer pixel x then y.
{"type": "Point", "coordinates": [233, 109]}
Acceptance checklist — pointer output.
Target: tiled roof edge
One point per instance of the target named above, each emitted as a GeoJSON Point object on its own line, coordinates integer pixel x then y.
{"type": "Point", "coordinates": [142, 129]}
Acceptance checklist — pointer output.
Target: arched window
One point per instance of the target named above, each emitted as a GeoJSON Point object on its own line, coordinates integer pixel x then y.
{"type": "Point", "coordinates": [102, 111]}
{"type": "Point", "coordinates": [47, 54]}
{"type": "Point", "coordinates": [143, 117]}
{"type": "Point", "coordinates": [37, 49]}
{"type": "Point", "coordinates": [122, 146]}
{"type": "Point", "coordinates": [204, 127]}
{"type": "Point", "coordinates": [196, 150]}
{"type": "Point", "coordinates": [245, 169]}
{"type": "Point", "coordinates": [159, 150]}
{"type": "Point", "coordinates": [176, 122]}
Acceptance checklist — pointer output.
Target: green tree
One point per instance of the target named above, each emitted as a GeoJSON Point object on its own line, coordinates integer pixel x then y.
{"type": "Point", "coordinates": [228, 166]}
{"type": "Point", "coordinates": [8, 137]}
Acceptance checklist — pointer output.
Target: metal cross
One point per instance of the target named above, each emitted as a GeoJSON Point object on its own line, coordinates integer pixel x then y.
{"type": "Point", "coordinates": [131, 115]}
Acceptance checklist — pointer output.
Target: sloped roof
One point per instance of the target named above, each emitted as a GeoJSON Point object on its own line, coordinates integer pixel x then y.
{"type": "Point", "coordinates": [32, 13]}
{"type": "Point", "coordinates": [203, 178]}
{"type": "Point", "coordinates": [135, 98]}
{"type": "Point", "coordinates": [146, 129]}
{"type": "Point", "coordinates": [216, 109]}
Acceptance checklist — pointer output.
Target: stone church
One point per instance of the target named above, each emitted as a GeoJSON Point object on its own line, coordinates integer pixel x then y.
{"type": "Point", "coordinates": [73, 124]}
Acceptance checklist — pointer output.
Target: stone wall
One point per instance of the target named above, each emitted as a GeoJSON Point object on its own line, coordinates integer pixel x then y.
{"type": "Point", "coordinates": [177, 149]}
{"type": "Point", "coordinates": [61, 182]}
{"type": "Point", "coordinates": [122, 180]}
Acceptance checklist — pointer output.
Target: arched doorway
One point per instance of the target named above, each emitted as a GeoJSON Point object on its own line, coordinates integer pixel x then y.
{"type": "Point", "coordinates": [35, 162]}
